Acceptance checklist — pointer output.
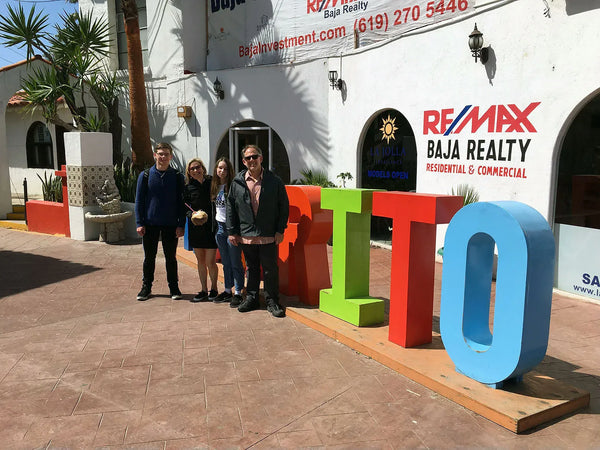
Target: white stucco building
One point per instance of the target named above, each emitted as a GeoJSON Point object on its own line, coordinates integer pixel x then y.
{"type": "Point", "coordinates": [415, 110]}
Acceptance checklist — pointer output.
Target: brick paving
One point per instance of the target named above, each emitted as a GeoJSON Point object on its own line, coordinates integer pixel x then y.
{"type": "Point", "coordinates": [85, 365]}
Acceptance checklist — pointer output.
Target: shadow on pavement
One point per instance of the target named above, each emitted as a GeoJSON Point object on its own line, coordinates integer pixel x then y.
{"type": "Point", "coordinates": [24, 271]}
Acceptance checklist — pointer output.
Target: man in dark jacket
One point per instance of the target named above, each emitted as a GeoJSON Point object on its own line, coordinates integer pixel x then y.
{"type": "Point", "coordinates": [159, 213]}
{"type": "Point", "coordinates": [257, 215]}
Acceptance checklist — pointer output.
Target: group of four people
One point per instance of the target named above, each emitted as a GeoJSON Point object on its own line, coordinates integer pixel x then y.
{"type": "Point", "coordinates": [248, 213]}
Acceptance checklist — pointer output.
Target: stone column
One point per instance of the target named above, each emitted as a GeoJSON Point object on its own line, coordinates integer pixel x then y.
{"type": "Point", "coordinates": [89, 163]}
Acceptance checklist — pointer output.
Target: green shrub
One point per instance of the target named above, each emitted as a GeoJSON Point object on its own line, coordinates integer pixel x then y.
{"type": "Point", "coordinates": [468, 192]}
{"type": "Point", "coordinates": [51, 188]}
{"type": "Point", "coordinates": [314, 178]}
{"type": "Point", "coordinates": [126, 180]}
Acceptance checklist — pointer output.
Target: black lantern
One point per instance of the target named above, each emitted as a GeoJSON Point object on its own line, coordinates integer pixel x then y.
{"type": "Point", "coordinates": [476, 45]}
{"type": "Point", "coordinates": [218, 88]}
{"type": "Point", "coordinates": [334, 82]}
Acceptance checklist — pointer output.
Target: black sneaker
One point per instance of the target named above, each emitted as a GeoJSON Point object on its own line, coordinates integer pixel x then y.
{"type": "Point", "coordinates": [213, 294]}
{"type": "Point", "coordinates": [223, 297]}
{"type": "Point", "coordinates": [144, 292]}
{"type": "Point", "coordinates": [201, 296]}
{"type": "Point", "coordinates": [236, 301]}
{"type": "Point", "coordinates": [275, 308]}
{"type": "Point", "coordinates": [250, 304]}
{"type": "Point", "coordinates": [176, 293]}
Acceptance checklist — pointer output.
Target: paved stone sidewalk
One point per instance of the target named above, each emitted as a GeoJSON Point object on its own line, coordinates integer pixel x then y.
{"type": "Point", "coordinates": [84, 365]}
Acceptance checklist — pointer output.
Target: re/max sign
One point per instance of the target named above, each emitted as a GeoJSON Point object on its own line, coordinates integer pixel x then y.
{"type": "Point", "coordinates": [508, 118]}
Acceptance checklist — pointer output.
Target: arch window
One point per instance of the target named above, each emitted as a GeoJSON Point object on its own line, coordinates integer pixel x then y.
{"type": "Point", "coordinates": [578, 190]}
{"type": "Point", "coordinates": [388, 161]}
{"type": "Point", "coordinates": [39, 147]}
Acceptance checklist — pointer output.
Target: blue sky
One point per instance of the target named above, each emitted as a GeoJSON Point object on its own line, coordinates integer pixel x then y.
{"type": "Point", "coordinates": [53, 8]}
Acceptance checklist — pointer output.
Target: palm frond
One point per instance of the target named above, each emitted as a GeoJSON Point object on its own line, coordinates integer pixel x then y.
{"type": "Point", "coordinates": [22, 30]}
{"type": "Point", "coordinates": [88, 35]}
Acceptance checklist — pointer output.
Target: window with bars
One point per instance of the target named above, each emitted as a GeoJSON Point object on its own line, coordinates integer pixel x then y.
{"type": "Point", "coordinates": [122, 39]}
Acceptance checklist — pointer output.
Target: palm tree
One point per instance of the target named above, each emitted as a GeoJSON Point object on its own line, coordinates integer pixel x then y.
{"type": "Point", "coordinates": [75, 69]}
{"type": "Point", "coordinates": [141, 150]}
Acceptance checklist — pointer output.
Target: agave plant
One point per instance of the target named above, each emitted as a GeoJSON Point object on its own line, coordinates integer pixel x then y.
{"type": "Point", "coordinates": [469, 195]}
{"type": "Point", "coordinates": [468, 192]}
{"type": "Point", "coordinates": [51, 188]}
{"type": "Point", "coordinates": [126, 180]}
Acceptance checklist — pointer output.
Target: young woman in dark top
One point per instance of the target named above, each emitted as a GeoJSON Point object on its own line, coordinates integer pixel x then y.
{"type": "Point", "coordinates": [201, 237]}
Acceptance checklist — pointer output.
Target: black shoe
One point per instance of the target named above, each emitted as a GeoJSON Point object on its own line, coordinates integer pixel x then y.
{"type": "Point", "coordinates": [144, 292]}
{"type": "Point", "coordinates": [213, 294]}
{"type": "Point", "coordinates": [275, 308]}
{"type": "Point", "coordinates": [236, 301]}
{"type": "Point", "coordinates": [201, 296]}
{"type": "Point", "coordinates": [250, 304]}
{"type": "Point", "coordinates": [176, 293]}
{"type": "Point", "coordinates": [223, 297]}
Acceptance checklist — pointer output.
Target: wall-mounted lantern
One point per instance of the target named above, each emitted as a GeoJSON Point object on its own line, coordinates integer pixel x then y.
{"type": "Point", "coordinates": [334, 81]}
{"type": "Point", "coordinates": [476, 46]}
{"type": "Point", "coordinates": [218, 88]}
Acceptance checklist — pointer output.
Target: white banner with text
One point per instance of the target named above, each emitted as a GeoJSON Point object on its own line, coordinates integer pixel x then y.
{"type": "Point", "coordinates": [253, 32]}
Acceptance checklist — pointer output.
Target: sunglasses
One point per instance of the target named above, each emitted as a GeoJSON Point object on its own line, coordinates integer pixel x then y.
{"type": "Point", "coordinates": [195, 168]}
{"type": "Point", "coordinates": [249, 157]}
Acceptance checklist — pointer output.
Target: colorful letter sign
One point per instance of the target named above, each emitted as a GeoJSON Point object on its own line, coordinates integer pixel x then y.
{"type": "Point", "coordinates": [303, 268]}
{"type": "Point", "coordinates": [413, 259]}
{"type": "Point", "coordinates": [521, 318]}
{"type": "Point", "coordinates": [523, 290]}
{"type": "Point", "coordinates": [348, 298]}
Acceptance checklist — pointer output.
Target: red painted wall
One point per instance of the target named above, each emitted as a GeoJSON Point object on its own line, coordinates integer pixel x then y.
{"type": "Point", "coordinates": [50, 217]}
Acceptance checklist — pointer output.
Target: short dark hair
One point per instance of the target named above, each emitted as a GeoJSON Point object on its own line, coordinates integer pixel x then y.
{"type": "Point", "coordinates": [255, 147]}
{"type": "Point", "coordinates": [163, 146]}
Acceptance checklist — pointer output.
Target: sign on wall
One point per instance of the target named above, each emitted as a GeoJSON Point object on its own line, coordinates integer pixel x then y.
{"type": "Point", "coordinates": [389, 153]}
{"type": "Point", "coordinates": [578, 269]}
{"type": "Point", "coordinates": [489, 141]}
{"type": "Point", "coordinates": [254, 32]}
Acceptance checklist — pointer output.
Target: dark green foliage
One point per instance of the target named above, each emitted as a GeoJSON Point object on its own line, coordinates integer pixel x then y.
{"type": "Point", "coordinates": [314, 178]}
{"type": "Point", "coordinates": [126, 180]}
{"type": "Point", "coordinates": [468, 192]}
{"type": "Point", "coordinates": [51, 188]}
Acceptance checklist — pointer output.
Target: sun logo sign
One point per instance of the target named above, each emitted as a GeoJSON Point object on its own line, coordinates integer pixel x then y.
{"type": "Point", "coordinates": [388, 129]}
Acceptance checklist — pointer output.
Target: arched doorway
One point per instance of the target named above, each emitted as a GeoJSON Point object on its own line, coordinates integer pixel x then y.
{"type": "Point", "coordinates": [577, 208]}
{"type": "Point", "coordinates": [248, 132]}
{"type": "Point", "coordinates": [388, 161]}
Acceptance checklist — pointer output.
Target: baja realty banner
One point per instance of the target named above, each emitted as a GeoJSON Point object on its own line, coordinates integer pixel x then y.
{"type": "Point", "coordinates": [253, 32]}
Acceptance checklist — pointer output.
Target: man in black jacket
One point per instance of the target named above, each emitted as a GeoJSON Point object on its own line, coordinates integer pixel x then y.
{"type": "Point", "coordinates": [257, 215]}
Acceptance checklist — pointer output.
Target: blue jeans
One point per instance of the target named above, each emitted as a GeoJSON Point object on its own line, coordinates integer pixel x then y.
{"type": "Point", "coordinates": [231, 258]}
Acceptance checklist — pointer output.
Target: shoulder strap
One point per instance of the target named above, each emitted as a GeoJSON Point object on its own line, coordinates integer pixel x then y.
{"type": "Point", "coordinates": [145, 179]}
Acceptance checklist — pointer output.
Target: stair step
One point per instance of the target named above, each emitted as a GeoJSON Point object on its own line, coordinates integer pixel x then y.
{"type": "Point", "coordinates": [18, 208]}
{"type": "Point", "coordinates": [15, 216]}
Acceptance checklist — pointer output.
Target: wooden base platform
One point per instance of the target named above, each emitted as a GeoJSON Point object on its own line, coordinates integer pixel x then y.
{"type": "Point", "coordinates": [518, 407]}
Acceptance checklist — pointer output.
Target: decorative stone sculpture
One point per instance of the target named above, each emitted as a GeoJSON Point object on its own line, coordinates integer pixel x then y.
{"type": "Point", "coordinates": [109, 198]}
{"type": "Point", "coordinates": [111, 222]}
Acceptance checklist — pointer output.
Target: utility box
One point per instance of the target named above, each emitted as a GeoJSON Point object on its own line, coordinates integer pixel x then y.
{"type": "Point", "coordinates": [184, 111]}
